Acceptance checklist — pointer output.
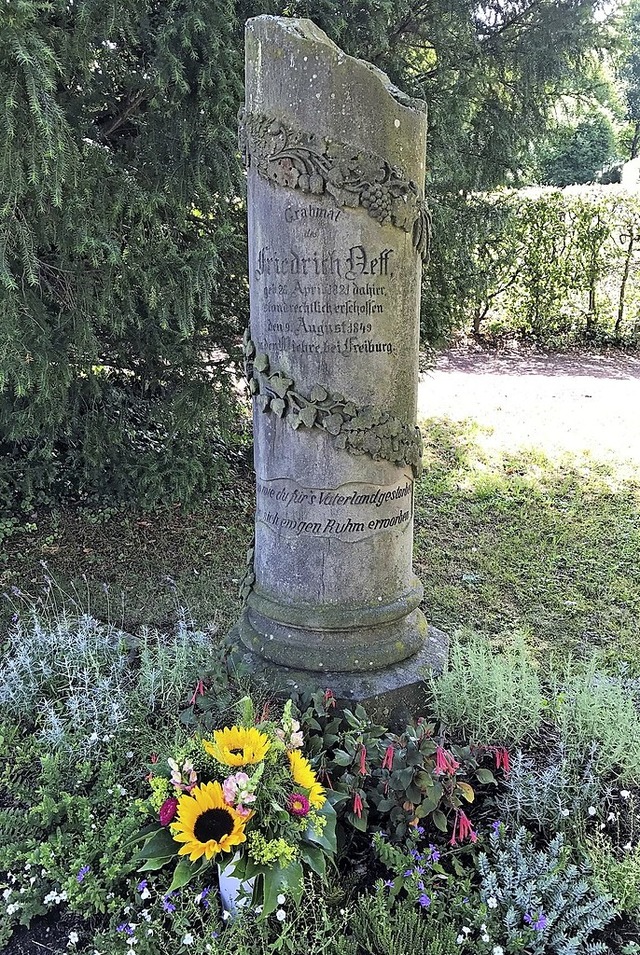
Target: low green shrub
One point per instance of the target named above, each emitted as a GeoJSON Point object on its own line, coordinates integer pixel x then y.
{"type": "Point", "coordinates": [616, 871]}
{"type": "Point", "coordinates": [492, 697]}
{"type": "Point", "coordinates": [597, 721]}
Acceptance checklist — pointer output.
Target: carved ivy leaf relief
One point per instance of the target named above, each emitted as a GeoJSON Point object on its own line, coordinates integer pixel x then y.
{"type": "Point", "coordinates": [351, 176]}
{"type": "Point", "coordinates": [366, 430]}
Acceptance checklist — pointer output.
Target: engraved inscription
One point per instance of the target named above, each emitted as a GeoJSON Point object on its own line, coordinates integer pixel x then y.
{"type": "Point", "coordinates": [296, 288]}
{"type": "Point", "coordinates": [351, 512]}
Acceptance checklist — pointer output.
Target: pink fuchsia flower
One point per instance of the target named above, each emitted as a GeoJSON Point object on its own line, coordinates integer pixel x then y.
{"type": "Point", "coordinates": [387, 762]}
{"type": "Point", "coordinates": [357, 805]}
{"type": "Point", "coordinates": [298, 805]}
{"type": "Point", "coordinates": [167, 811]}
{"type": "Point", "coordinates": [199, 691]}
{"type": "Point", "coordinates": [463, 829]}
{"type": "Point", "coordinates": [445, 762]}
{"type": "Point", "coordinates": [502, 759]}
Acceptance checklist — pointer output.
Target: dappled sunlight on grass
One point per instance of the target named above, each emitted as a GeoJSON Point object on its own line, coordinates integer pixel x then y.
{"type": "Point", "coordinates": [522, 541]}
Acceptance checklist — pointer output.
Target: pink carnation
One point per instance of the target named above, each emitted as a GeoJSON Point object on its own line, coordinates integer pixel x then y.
{"type": "Point", "coordinates": [168, 810]}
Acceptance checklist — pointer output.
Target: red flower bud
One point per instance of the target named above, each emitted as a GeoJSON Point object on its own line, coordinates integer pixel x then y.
{"type": "Point", "coordinates": [357, 805]}
{"type": "Point", "coordinates": [387, 762]}
{"type": "Point", "coordinates": [329, 698]}
{"type": "Point", "coordinates": [168, 810]}
{"type": "Point", "coordinates": [363, 760]}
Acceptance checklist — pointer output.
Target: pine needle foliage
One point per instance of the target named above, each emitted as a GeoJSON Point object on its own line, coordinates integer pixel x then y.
{"type": "Point", "coordinates": [120, 244]}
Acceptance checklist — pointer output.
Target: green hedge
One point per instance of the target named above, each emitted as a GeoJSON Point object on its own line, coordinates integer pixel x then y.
{"type": "Point", "coordinates": [558, 266]}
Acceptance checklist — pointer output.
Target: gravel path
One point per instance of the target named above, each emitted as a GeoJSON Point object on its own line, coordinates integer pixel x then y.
{"type": "Point", "coordinates": [564, 402]}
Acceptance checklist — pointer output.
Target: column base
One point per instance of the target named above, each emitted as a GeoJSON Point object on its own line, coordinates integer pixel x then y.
{"type": "Point", "coordinates": [392, 695]}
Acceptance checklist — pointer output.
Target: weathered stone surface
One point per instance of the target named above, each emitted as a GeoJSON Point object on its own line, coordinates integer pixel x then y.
{"type": "Point", "coordinates": [337, 226]}
{"type": "Point", "coordinates": [393, 696]}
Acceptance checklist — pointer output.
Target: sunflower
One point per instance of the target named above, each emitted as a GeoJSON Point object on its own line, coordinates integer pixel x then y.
{"type": "Point", "coordinates": [237, 746]}
{"type": "Point", "coordinates": [304, 776]}
{"type": "Point", "coordinates": [206, 824]}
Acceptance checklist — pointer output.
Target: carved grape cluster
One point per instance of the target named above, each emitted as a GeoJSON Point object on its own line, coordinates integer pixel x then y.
{"type": "Point", "coordinates": [377, 201]}
{"type": "Point", "coordinates": [367, 430]}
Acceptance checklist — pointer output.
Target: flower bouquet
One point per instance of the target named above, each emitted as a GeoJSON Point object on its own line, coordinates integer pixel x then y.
{"type": "Point", "coordinates": [245, 800]}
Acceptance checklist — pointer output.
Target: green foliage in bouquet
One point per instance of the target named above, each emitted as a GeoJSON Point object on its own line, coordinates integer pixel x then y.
{"type": "Point", "coordinates": [396, 782]}
{"type": "Point", "coordinates": [246, 800]}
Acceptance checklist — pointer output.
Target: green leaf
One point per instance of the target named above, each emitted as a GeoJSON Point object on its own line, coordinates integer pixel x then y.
{"type": "Point", "coordinates": [327, 838]}
{"type": "Point", "coordinates": [183, 873]}
{"type": "Point", "coordinates": [278, 406]}
{"type": "Point", "coordinates": [486, 776]}
{"type": "Point", "coordinates": [152, 865]}
{"type": "Point", "coordinates": [440, 820]}
{"type": "Point", "coordinates": [273, 882]}
{"type": "Point", "coordinates": [342, 758]}
{"type": "Point", "coordinates": [261, 362]}
{"type": "Point", "coordinates": [159, 846]}
{"type": "Point", "coordinates": [315, 858]}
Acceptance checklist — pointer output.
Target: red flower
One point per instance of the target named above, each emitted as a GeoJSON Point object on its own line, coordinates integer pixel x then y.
{"type": "Point", "coordinates": [387, 762]}
{"type": "Point", "coordinates": [298, 805]}
{"type": "Point", "coordinates": [462, 826]}
{"type": "Point", "coordinates": [329, 698]}
{"type": "Point", "coordinates": [357, 805]}
{"type": "Point", "coordinates": [502, 759]}
{"type": "Point", "coordinates": [445, 763]}
{"type": "Point", "coordinates": [363, 759]}
{"type": "Point", "coordinates": [168, 810]}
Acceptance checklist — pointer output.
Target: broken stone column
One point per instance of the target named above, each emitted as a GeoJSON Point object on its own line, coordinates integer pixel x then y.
{"type": "Point", "coordinates": [337, 230]}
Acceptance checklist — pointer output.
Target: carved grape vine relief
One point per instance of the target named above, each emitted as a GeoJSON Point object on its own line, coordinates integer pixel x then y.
{"type": "Point", "coordinates": [351, 176]}
{"type": "Point", "coordinates": [365, 430]}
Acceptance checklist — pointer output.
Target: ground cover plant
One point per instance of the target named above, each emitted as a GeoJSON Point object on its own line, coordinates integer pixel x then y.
{"type": "Point", "coordinates": [434, 848]}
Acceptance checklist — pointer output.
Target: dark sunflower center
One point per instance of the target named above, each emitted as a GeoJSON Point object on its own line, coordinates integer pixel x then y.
{"type": "Point", "coordinates": [213, 824]}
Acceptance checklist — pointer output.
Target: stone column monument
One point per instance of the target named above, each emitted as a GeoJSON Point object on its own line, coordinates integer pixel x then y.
{"type": "Point", "coordinates": [337, 230]}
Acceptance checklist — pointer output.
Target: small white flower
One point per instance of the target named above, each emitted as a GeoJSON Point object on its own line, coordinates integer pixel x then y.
{"type": "Point", "coordinates": [74, 938]}
{"type": "Point", "coordinates": [625, 793]}
{"type": "Point", "coordinates": [226, 915]}
{"type": "Point", "coordinates": [485, 937]}
{"type": "Point", "coordinates": [188, 939]}
{"type": "Point", "coordinates": [6, 894]}
{"type": "Point", "coordinates": [466, 929]}
{"type": "Point", "coordinates": [145, 894]}
{"type": "Point", "coordinates": [12, 907]}
{"type": "Point", "coordinates": [281, 900]}
{"type": "Point", "coordinates": [93, 738]}
{"type": "Point", "coordinates": [149, 931]}
{"type": "Point", "coordinates": [460, 939]}
{"type": "Point", "coordinates": [281, 915]}
{"type": "Point", "coordinates": [129, 755]}
{"type": "Point", "coordinates": [492, 902]}
{"type": "Point", "coordinates": [483, 927]}
{"type": "Point", "coordinates": [27, 866]}
{"type": "Point", "coordinates": [627, 847]}
{"type": "Point", "coordinates": [611, 817]}
{"type": "Point", "coordinates": [497, 950]}
{"type": "Point", "coordinates": [592, 810]}
{"type": "Point", "coordinates": [565, 813]}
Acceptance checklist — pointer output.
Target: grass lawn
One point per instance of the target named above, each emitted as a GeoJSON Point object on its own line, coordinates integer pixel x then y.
{"type": "Point", "coordinates": [503, 542]}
